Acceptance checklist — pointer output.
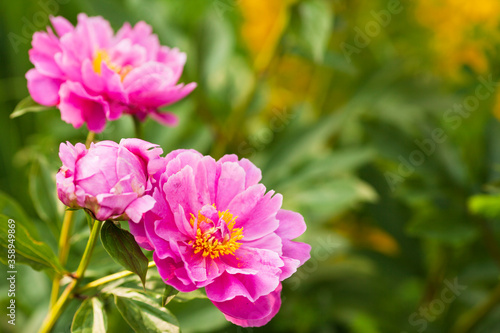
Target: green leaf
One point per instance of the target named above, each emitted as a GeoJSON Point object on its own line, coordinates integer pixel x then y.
{"type": "Point", "coordinates": [299, 143]}
{"type": "Point", "coordinates": [333, 164]}
{"type": "Point", "coordinates": [42, 189]}
{"type": "Point", "coordinates": [168, 294]}
{"type": "Point", "coordinates": [185, 297]}
{"type": "Point", "coordinates": [122, 247]}
{"type": "Point", "coordinates": [28, 105]}
{"type": "Point", "coordinates": [441, 226]}
{"type": "Point", "coordinates": [28, 250]}
{"type": "Point", "coordinates": [90, 317]}
{"type": "Point", "coordinates": [11, 208]}
{"type": "Point", "coordinates": [364, 323]}
{"type": "Point", "coordinates": [217, 45]}
{"type": "Point", "coordinates": [320, 201]}
{"type": "Point", "coordinates": [485, 205]}
{"type": "Point", "coordinates": [316, 22]}
{"type": "Point", "coordinates": [144, 315]}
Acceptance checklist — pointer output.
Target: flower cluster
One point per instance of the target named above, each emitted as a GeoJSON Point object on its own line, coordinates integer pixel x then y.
{"type": "Point", "coordinates": [93, 76]}
{"type": "Point", "coordinates": [210, 223]}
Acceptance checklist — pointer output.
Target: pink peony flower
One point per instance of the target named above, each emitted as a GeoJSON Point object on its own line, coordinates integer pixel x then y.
{"type": "Point", "coordinates": [93, 76]}
{"type": "Point", "coordinates": [108, 179]}
{"type": "Point", "coordinates": [214, 226]}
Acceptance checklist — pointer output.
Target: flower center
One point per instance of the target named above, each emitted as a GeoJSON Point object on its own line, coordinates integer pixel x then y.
{"type": "Point", "coordinates": [217, 238]}
{"type": "Point", "coordinates": [103, 56]}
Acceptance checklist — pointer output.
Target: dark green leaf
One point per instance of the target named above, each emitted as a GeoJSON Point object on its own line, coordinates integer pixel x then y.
{"type": "Point", "coordinates": [9, 207]}
{"type": "Point", "coordinates": [90, 317]}
{"type": "Point", "coordinates": [122, 247]}
{"type": "Point", "coordinates": [27, 105]}
{"type": "Point", "coordinates": [145, 315]}
{"type": "Point", "coordinates": [168, 294]}
{"type": "Point", "coordinates": [28, 250]}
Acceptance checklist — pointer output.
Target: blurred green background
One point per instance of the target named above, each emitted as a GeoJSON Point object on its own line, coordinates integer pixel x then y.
{"type": "Point", "coordinates": [375, 120]}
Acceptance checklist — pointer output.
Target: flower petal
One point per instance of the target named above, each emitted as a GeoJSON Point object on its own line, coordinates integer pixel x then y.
{"type": "Point", "coordinates": [140, 236]}
{"type": "Point", "coordinates": [253, 174]}
{"type": "Point", "coordinates": [170, 270]}
{"type": "Point", "coordinates": [45, 46]}
{"type": "Point", "coordinates": [292, 224]}
{"type": "Point", "coordinates": [262, 220]}
{"type": "Point", "coordinates": [174, 59]}
{"type": "Point", "coordinates": [77, 107]}
{"type": "Point", "coordinates": [201, 270]}
{"type": "Point", "coordinates": [43, 89]}
{"type": "Point", "coordinates": [69, 154]}
{"type": "Point", "coordinates": [96, 31]}
{"type": "Point", "coordinates": [61, 25]}
{"type": "Point", "coordinates": [180, 192]}
{"type": "Point", "coordinates": [250, 273]}
{"type": "Point", "coordinates": [242, 312]}
{"type": "Point", "coordinates": [230, 183]}
{"type": "Point", "coordinates": [139, 206]}
{"type": "Point", "coordinates": [165, 118]}
{"type": "Point", "coordinates": [153, 85]}
{"type": "Point", "coordinates": [243, 204]}
{"type": "Point", "coordinates": [112, 205]}
{"type": "Point", "coordinates": [295, 254]}
{"type": "Point", "coordinates": [296, 250]}
{"type": "Point", "coordinates": [141, 34]}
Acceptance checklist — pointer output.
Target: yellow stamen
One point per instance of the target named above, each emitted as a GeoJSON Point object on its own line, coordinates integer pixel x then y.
{"type": "Point", "coordinates": [103, 56]}
{"type": "Point", "coordinates": [208, 244]}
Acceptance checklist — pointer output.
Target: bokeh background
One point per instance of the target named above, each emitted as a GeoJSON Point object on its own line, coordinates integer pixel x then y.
{"type": "Point", "coordinates": [375, 119]}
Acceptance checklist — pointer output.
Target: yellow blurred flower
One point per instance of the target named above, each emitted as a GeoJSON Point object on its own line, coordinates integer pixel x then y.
{"type": "Point", "coordinates": [462, 32]}
{"type": "Point", "coordinates": [263, 24]}
{"type": "Point", "coordinates": [290, 80]}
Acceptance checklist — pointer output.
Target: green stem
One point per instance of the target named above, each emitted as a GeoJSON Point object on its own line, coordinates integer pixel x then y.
{"type": "Point", "coordinates": [54, 293]}
{"type": "Point", "coordinates": [63, 253]}
{"type": "Point", "coordinates": [87, 254]}
{"type": "Point", "coordinates": [64, 239]}
{"type": "Point", "coordinates": [90, 139]}
{"type": "Point", "coordinates": [65, 235]}
{"type": "Point", "coordinates": [58, 307]}
{"type": "Point", "coordinates": [137, 128]}
{"type": "Point", "coordinates": [489, 240]}
{"type": "Point", "coordinates": [437, 273]}
{"type": "Point", "coordinates": [470, 319]}
{"type": "Point", "coordinates": [108, 278]}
